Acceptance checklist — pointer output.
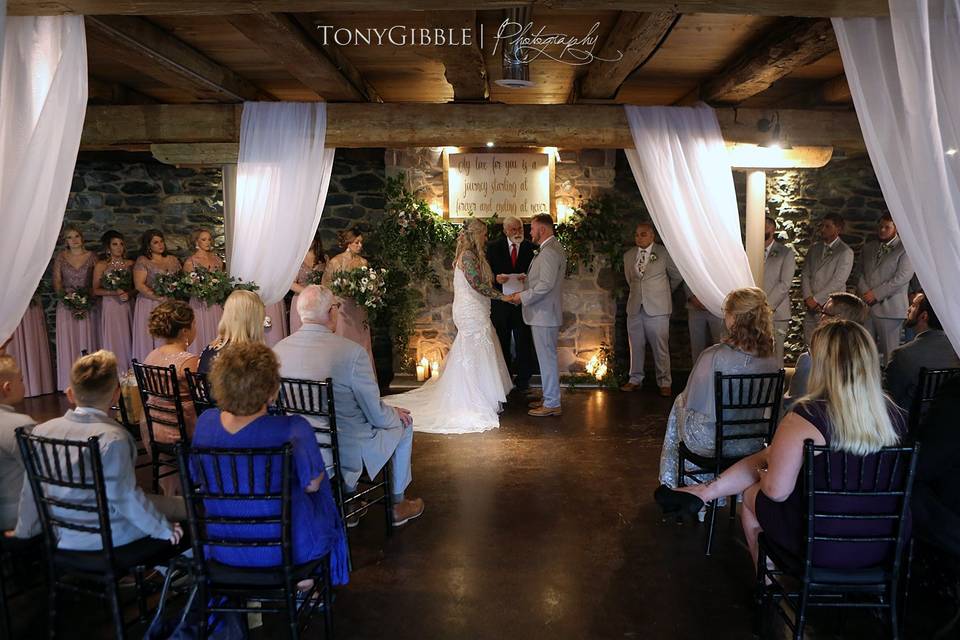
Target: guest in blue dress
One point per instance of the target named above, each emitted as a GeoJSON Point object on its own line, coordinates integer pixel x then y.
{"type": "Point", "coordinates": [844, 408]}
{"type": "Point", "coordinates": [244, 379]}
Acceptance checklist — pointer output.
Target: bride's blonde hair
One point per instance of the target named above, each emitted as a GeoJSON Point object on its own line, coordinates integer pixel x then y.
{"type": "Point", "coordinates": [471, 239]}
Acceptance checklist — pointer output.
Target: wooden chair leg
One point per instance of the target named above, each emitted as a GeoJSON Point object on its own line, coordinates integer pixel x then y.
{"type": "Point", "coordinates": [116, 611]}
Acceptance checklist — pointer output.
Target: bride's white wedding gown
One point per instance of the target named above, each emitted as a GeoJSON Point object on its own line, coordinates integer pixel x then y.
{"type": "Point", "coordinates": [473, 380]}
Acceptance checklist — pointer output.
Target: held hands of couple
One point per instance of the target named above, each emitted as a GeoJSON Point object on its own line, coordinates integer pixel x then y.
{"type": "Point", "coordinates": [513, 298]}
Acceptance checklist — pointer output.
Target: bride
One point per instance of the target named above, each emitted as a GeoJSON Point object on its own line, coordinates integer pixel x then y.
{"type": "Point", "coordinates": [473, 380]}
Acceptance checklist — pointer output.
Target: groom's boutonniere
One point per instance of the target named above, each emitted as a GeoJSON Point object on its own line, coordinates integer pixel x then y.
{"type": "Point", "coordinates": [653, 257]}
{"type": "Point", "coordinates": [827, 251]}
{"type": "Point", "coordinates": [885, 248]}
{"type": "Point", "coordinates": [536, 252]}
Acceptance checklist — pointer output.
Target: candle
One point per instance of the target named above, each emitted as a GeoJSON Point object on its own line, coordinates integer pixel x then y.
{"type": "Point", "coordinates": [421, 373]}
{"type": "Point", "coordinates": [426, 367]}
{"type": "Point", "coordinates": [435, 369]}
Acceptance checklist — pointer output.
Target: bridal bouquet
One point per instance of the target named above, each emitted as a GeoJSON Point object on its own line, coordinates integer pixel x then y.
{"type": "Point", "coordinates": [209, 287]}
{"type": "Point", "coordinates": [365, 285]}
{"type": "Point", "coordinates": [78, 302]}
{"type": "Point", "coordinates": [171, 285]}
{"type": "Point", "coordinates": [117, 280]}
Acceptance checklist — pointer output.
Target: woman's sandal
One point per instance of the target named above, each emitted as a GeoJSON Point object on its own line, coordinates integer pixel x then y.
{"type": "Point", "coordinates": [680, 503]}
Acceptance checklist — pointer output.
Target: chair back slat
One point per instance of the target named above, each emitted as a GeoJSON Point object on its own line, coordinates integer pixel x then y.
{"type": "Point", "coordinates": [857, 517]}
{"type": "Point", "coordinates": [160, 384]}
{"type": "Point", "coordinates": [199, 386]}
{"type": "Point", "coordinates": [747, 408]}
{"type": "Point", "coordinates": [928, 386]}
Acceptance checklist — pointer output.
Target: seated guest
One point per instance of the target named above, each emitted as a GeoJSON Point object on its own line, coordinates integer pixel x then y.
{"type": "Point", "coordinates": [369, 432]}
{"type": "Point", "coordinates": [134, 516]}
{"type": "Point", "coordinates": [748, 348]}
{"type": "Point", "coordinates": [11, 465]}
{"type": "Point", "coordinates": [936, 489]}
{"type": "Point", "coordinates": [241, 322]}
{"type": "Point", "coordinates": [245, 378]}
{"type": "Point", "coordinates": [930, 348]}
{"type": "Point", "coordinates": [845, 409]}
{"type": "Point", "coordinates": [839, 306]}
{"type": "Point", "coordinates": [173, 323]}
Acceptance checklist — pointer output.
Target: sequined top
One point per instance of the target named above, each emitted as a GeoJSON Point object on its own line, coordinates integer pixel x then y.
{"type": "Point", "coordinates": [345, 261]}
{"type": "Point", "coordinates": [74, 278]}
{"type": "Point", "coordinates": [170, 265]}
{"type": "Point", "coordinates": [201, 259]}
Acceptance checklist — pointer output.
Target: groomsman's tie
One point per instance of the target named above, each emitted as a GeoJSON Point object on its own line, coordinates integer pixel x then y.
{"type": "Point", "coordinates": [641, 261]}
{"type": "Point", "coordinates": [513, 255]}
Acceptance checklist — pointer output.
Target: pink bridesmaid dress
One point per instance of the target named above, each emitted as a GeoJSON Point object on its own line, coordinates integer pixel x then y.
{"type": "Point", "coordinates": [143, 342]}
{"type": "Point", "coordinates": [116, 319]}
{"type": "Point", "coordinates": [302, 275]}
{"type": "Point", "coordinates": [278, 329]}
{"type": "Point", "coordinates": [206, 317]}
{"type": "Point", "coordinates": [30, 347]}
{"type": "Point", "coordinates": [73, 334]}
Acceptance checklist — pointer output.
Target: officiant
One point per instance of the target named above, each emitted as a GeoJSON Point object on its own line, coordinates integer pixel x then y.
{"type": "Point", "coordinates": [509, 259]}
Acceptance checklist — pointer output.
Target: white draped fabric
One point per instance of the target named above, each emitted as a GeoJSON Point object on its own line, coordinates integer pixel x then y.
{"type": "Point", "coordinates": [282, 178]}
{"type": "Point", "coordinates": [683, 170]}
{"type": "Point", "coordinates": [43, 101]}
{"type": "Point", "coordinates": [903, 74]}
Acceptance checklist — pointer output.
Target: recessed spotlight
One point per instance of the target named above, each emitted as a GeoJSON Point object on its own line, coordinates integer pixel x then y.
{"type": "Point", "coordinates": [490, 143]}
{"type": "Point", "coordinates": [951, 152]}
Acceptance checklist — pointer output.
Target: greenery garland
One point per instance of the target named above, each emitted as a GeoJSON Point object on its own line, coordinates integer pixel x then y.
{"type": "Point", "coordinates": [596, 229]}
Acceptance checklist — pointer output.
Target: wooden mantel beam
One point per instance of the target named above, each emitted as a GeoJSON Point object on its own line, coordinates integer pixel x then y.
{"type": "Point", "coordinates": [433, 125]}
{"type": "Point", "coordinates": [807, 8]}
{"type": "Point", "coordinates": [789, 46]}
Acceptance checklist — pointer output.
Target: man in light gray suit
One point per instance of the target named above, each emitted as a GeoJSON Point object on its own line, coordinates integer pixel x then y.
{"type": "Point", "coordinates": [828, 265]}
{"type": "Point", "coordinates": [931, 349]}
{"type": "Point", "coordinates": [543, 310]}
{"type": "Point", "coordinates": [652, 277]}
{"type": "Point", "coordinates": [883, 285]}
{"type": "Point", "coordinates": [779, 267]}
{"type": "Point", "coordinates": [11, 465]}
{"type": "Point", "coordinates": [369, 432]}
{"type": "Point", "coordinates": [705, 328]}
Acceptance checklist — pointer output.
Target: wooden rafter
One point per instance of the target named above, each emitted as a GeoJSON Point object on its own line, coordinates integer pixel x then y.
{"type": "Point", "coordinates": [807, 8]}
{"type": "Point", "coordinates": [631, 41]}
{"type": "Point", "coordinates": [835, 91]}
{"type": "Point", "coordinates": [103, 92]}
{"type": "Point", "coordinates": [324, 70]}
{"type": "Point", "coordinates": [463, 67]}
{"type": "Point", "coordinates": [156, 53]}
{"type": "Point", "coordinates": [424, 125]}
{"type": "Point", "coordinates": [792, 44]}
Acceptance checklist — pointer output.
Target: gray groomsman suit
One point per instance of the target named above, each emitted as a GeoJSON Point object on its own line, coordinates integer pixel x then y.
{"type": "Point", "coordinates": [930, 349]}
{"type": "Point", "coordinates": [825, 271]}
{"type": "Point", "coordinates": [648, 310]}
{"type": "Point", "coordinates": [779, 267]}
{"type": "Point", "coordinates": [887, 273]}
{"type": "Point", "coordinates": [543, 311]}
{"type": "Point", "coordinates": [369, 432]}
{"type": "Point", "coordinates": [705, 328]}
{"type": "Point", "coordinates": [11, 465]}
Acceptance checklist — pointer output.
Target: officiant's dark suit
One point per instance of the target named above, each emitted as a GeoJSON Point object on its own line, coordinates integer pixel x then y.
{"type": "Point", "coordinates": [508, 318]}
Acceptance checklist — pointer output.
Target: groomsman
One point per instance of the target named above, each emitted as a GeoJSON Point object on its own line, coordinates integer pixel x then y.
{"type": "Point", "coordinates": [705, 328]}
{"type": "Point", "coordinates": [779, 267]}
{"type": "Point", "coordinates": [652, 277]}
{"type": "Point", "coordinates": [883, 285]}
{"type": "Point", "coordinates": [510, 255]}
{"type": "Point", "coordinates": [828, 265]}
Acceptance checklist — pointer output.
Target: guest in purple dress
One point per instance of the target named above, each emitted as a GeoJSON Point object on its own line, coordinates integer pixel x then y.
{"type": "Point", "coordinates": [153, 260]}
{"type": "Point", "coordinates": [76, 329]}
{"type": "Point", "coordinates": [314, 262]}
{"type": "Point", "coordinates": [207, 315]}
{"type": "Point", "coordinates": [846, 409]}
{"type": "Point", "coordinates": [353, 324]}
{"type": "Point", "coordinates": [116, 305]}
{"type": "Point", "coordinates": [30, 347]}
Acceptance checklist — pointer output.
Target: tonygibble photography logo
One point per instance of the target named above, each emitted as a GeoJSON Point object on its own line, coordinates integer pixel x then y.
{"type": "Point", "coordinates": [521, 41]}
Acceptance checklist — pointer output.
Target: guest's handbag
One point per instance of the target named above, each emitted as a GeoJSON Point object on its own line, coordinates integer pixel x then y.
{"type": "Point", "coordinates": [185, 624]}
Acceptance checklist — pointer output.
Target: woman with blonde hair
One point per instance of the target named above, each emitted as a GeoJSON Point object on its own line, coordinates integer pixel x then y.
{"type": "Point", "coordinates": [241, 322]}
{"type": "Point", "coordinates": [474, 380]}
{"type": "Point", "coordinates": [353, 324]}
{"type": "Point", "coordinates": [76, 331]}
{"type": "Point", "coordinates": [747, 348]}
{"type": "Point", "coordinates": [845, 409]}
{"type": "Point", "coordinates": [207, 315]}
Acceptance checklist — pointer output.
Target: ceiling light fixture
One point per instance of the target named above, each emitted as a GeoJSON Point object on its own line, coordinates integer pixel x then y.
{"type": "Point", "coordinates": [490, 143]}
{"type": "Point", "coordinates": [951, 151]}
{"type": "Point", "coordinates": [515, 67]}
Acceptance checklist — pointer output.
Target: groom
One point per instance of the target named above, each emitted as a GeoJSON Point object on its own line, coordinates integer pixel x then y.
{"type": "Point", "coordinates": [543, 310]}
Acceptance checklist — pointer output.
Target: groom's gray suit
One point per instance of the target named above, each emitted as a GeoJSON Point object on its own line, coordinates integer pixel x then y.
{"type": "Point", "coordinates": [543, 311]}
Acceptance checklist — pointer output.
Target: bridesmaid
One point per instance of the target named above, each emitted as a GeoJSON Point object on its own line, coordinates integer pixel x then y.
{"type": "Point", "coordinates": [153, 260]}
{"type": "Point", "coordinates": [73, 271]}
{"type": "Point", "coordinates": [116, 307]}
{"type": "Point", "coordinates": [207, 317]}
{"type": "Point", "coordinates": [353, 323]}
{"type": "Point", "coordinates": [314, 261]}
{"type": "Point", "coordinates": [30, 347]}
{"type": "Point", "coordinates": [275, 327]}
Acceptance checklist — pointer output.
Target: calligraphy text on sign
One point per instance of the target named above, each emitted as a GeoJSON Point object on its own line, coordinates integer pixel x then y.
{"type": "Point", "coordinates": [502, 184]}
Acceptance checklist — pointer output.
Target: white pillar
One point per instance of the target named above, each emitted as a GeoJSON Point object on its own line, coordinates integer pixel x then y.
{"type": "Point", "coordinates": [756, 215]}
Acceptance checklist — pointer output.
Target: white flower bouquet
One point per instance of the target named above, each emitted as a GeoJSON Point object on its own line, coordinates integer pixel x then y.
{"type": "Point", "coordinates": [364, 285]}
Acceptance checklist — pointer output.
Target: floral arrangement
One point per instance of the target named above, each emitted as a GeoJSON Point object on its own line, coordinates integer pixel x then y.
{"type": "Point", "coordinates": [117, 280]}
{"type": "Point", "coordinates": [78, 301]}
{"type": "Point", "coordinates": [597, 229]}
{"type": "Point", "coordinates": [209, 287]}
{"type": "Point", "coordinates": [315, 277]}
{"type": "Point", "coordinates": [365, 285]}
{"type": "Point", "coordinates": [171, 285]}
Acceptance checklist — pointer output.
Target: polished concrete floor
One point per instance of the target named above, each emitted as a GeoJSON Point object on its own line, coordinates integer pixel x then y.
{"type": "Point", "coordinates": [545, 529]}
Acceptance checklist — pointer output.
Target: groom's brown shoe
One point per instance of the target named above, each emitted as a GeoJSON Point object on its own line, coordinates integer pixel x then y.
{"type": "Point", "coordinates": [666, 392]}
{"type": "Point", "coordinates": [630, 386]}
{"type": "Point", "coordinates": [536, 404]}
{"type": "Point", "coordinates": [542, 412]}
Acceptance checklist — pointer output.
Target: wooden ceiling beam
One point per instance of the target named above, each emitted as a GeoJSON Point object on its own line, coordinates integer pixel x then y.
{"type": "Point", "coordinates": [103, 92]}
{"type": "Point", "coordinates": [835, 91]}
{"type": "Point", "coordinates": [792, 44]}
{"type": "Point", "coordinates": [808, 8]}
{"type": "Point", "coordinates": [464, 67]}
{"type": "Point", "coordinates": [323, 70]}
{"type": "Point", "coordinates": [140, 44]}
{"type": "Point", "coordinates": [633, 38]}
{"type": "Point", "coordinates": [469, 125]}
